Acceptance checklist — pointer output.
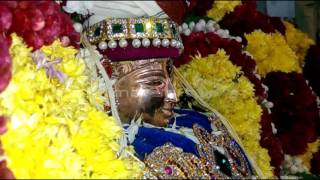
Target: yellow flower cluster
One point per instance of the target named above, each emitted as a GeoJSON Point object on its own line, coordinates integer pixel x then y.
{"type": "Point", "coordinates": [222, 86]}
{"type": "Point", "coordinates": [298, 41]}
{"type": "Point", "coordinates": [55, 130]}
{"type": "Point", "coordinates": [271, 53]}
{"type": "Point", "coordinates": [221, 7]}
{"type": "Point", "coordinates": [306, 157]}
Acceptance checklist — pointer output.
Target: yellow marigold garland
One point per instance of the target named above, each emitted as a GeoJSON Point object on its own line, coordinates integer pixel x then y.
{"type": "Point", "coordinates": [217, 81]}
{"type": "Point", "coordinates": [271, 53]}
{"type": "Point", "coordinates": [298, 41]}
{"type": "Point", "coordinates": [55, 131]}
{"type": "Point", "coordinates": [220, 8]}
{"type": "Point", "coordinates": [306, 157]}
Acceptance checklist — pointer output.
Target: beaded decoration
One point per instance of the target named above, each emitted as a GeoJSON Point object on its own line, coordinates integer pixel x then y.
{"type": "Point", "coordinates": [144, 31]}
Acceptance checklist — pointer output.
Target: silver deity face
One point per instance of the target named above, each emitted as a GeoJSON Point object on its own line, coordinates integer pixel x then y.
{"type": "Point", "coordinates": [143, 88]}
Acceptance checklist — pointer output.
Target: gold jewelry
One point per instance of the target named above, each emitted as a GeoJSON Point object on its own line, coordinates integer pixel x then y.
{"type": "Point", "coordinates": [143, 31]}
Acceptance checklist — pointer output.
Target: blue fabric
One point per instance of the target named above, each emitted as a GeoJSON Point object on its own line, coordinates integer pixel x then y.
{"type": "Point", "coordinates": [189, 117]}
{"type": "Point", "coordinates": [147, 139]}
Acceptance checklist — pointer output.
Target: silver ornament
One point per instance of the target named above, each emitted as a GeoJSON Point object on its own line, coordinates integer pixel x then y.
{"type": "Point", "coordinates": [179, 44]}
{"type": "Point", "coordinates": [112, 44]}
{"type": "Point", "coordinates": [146, 42]}
{"type": "Point", "coordinates": [173, 43]}
{"type": "Point", "coordinates": [136, 43]}
{"type": "Point", "coordinates": [123, 43]}
{"type": "Point", "coordinates": [165, 43]}
{"type": "Point", "coordinates": [102, 45]}
{"type": "Point", "coordinates": [156, 42]}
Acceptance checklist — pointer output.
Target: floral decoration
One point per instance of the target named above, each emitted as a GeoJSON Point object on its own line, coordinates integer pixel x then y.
{"type": "Point", "coordinates": [209, 43]}
{"type": "Point", "coordinates": [271, 53]}
{"type": "Point", "coordinates": [298, 41]}
{"type": "Point", "coordinates": [39, 23]}
{"type": "Point", "coordinates": [295, 113]}
{"type": "Point", "coordinates": [246, 18]}
{"type": "Point", "coordinates": [5, 60]}
{"type": "Point", "coordinates": [271, 142]}
{"type": "Point", "coordinates": [55, 130]}
{"type": "Point", "coordinates": [220, 8]}
{"type": "Point", "coordinates": [222, 85]}
{"type": "Point", "coordinates": [312, 149]}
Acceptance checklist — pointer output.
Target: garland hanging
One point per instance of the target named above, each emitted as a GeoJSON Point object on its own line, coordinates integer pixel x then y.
{"type": "Point", "coordinates": [246, 18]}
{"type": "Point", "coordinates": [209, 43]}
{"type": "Point", "coordinates": [298, 41]}
{"type": "Point", "coordinates": [295, 113]}
{"type": "Point", "coordinates": [222, 85]}
{"type": "Point", "coordinates": [55, 130]}
{"type": "Point", "coordinates": [271, 53]}
{"type": "Point", "coordinates": [220, 8]}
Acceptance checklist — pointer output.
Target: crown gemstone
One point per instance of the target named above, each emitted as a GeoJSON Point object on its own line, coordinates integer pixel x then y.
{"type": "Point", "coordinates": [117, 28]}
{"type": "Point", "coordinates": [139, 27]}
{"type": "Point", "coordinates": [159, 28]}
{"type": "Point", "coordinates": [97, 32]}
{"type": "Point", "coordinates": [168, 170]}
{"type": "Point", "coordinates": [223, 162]}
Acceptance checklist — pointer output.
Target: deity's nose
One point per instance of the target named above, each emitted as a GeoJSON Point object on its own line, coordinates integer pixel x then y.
{"type": "Point", "coordinates": [170, 93]}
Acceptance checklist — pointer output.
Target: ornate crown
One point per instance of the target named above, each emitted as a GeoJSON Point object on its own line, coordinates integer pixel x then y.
{"type": "Point", "coordinates": [136, 38]}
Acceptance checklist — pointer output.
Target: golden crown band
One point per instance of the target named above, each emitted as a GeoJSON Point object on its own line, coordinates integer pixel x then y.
{"type": "Point", "coordinates": [141, 31]}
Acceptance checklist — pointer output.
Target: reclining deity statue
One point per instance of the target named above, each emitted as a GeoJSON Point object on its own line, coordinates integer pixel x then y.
{"type": "Point", "coordinates": [138, 42]}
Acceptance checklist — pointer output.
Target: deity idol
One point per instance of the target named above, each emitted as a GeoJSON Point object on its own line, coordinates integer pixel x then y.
{"type": "Point", "coordinates": [138, 41]}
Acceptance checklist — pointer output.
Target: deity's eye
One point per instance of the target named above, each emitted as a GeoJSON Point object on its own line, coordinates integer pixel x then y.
{"type": "Point", "coordinates": [155, 82]}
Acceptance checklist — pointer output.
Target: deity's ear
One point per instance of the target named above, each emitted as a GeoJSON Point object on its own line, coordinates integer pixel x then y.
{"type": "Point", "coordinates": [176, 10]}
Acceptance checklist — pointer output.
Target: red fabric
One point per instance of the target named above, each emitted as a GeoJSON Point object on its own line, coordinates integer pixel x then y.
{"type": "Point", "coordinates": [131, 53]}
{"type": "Point", "coordinates": [176, 10]}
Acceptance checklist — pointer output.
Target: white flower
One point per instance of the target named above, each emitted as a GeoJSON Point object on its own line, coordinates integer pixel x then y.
{"type": "Point", "coordinates": [80, 7]}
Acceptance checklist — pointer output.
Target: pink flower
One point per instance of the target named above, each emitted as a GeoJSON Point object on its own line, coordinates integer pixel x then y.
{"type": "Point", "coordinates": [3, 123]}
{"type": "Point", "coordinates": [5, 63]}
{"type": "Point", "coordinates": [5, 18]}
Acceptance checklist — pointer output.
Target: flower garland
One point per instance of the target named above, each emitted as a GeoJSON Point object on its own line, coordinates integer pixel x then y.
{"type": "Point", "coordinates": [5, 76]}
{"type": "Point", "coordinates": [220, 8]}
{"type": "Point", "coordinates": [295, 113]}
{"type": "Point", "coordinates": [5, 61]}
{"type": "Point", "coordinates": [54, 130]}
{"type": "Point", "coordinates": [271, 53]}
{"type": "Point", "coordinates": [312, 149]}
{"type": "Point", "coordinates": [246, 18]}
{"type": "Point", "coordinates": [222, 85]}
{"type": "Point", "coordinates": [211, 43]}
{"type": "Point", "coordinates": [298, 41]}
{"type": "Point", "coordinates": [40, 23]}
{"type": "Point", "coordinates": [293, 165]}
